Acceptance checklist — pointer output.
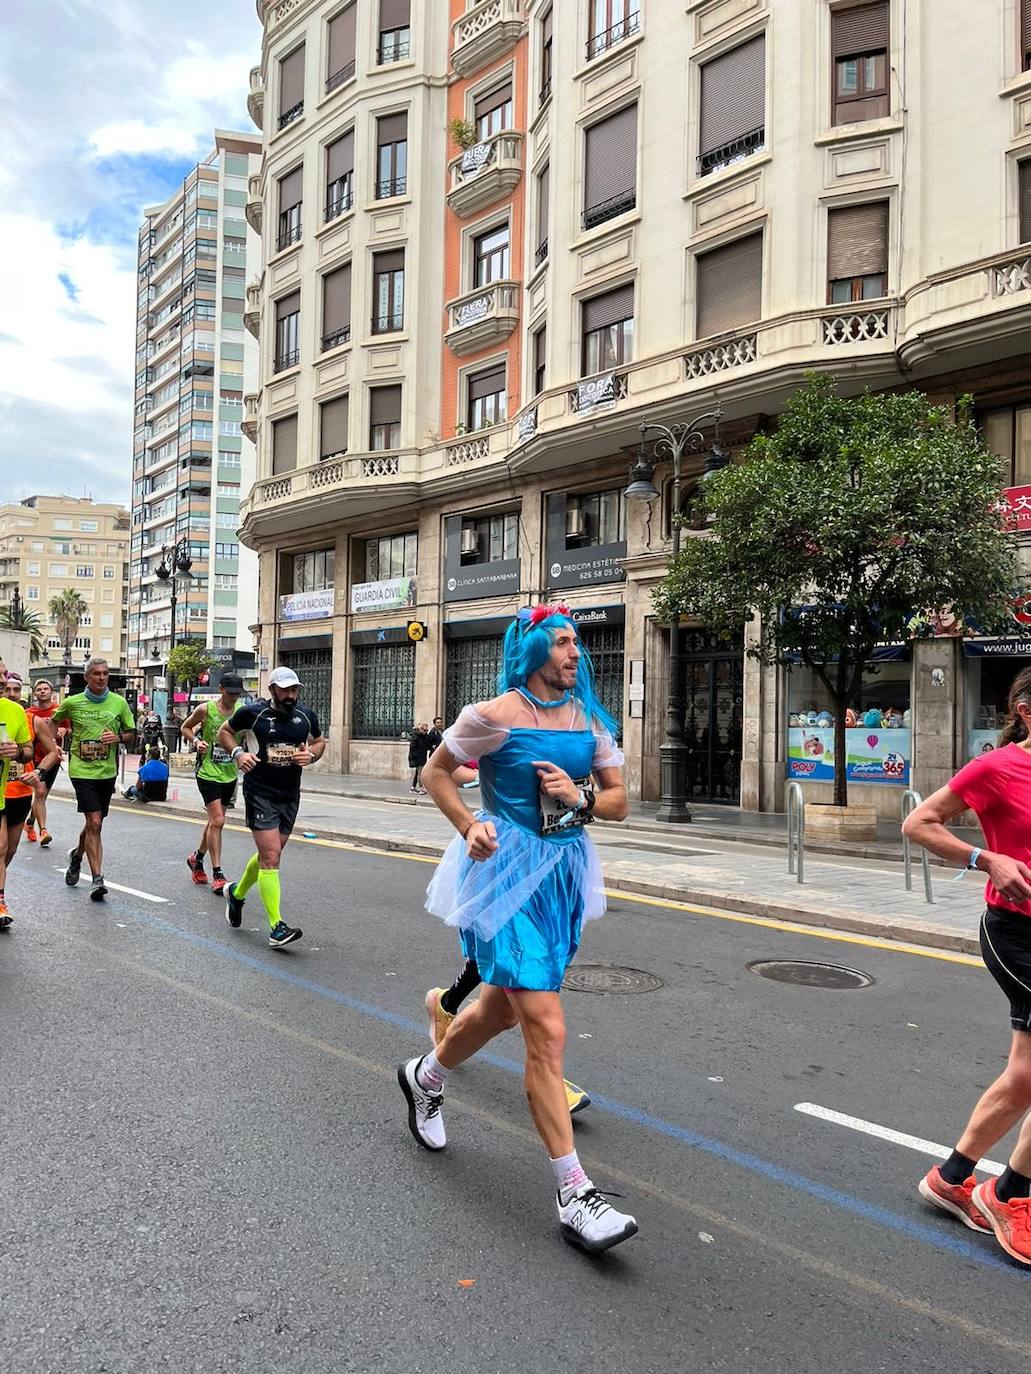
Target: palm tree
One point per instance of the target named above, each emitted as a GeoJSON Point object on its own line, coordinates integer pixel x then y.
{"type": "Point", "coordinates": [16, 617]}
{"type": "Point", "coordinates": [67, 612]}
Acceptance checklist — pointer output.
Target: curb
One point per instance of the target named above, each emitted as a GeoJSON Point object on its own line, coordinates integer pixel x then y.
{"type": "Point", "coordinates": [904, 931]}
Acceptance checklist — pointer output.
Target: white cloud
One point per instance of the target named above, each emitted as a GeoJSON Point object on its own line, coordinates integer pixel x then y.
{"type": "Point", "coordinates": [133, 136]}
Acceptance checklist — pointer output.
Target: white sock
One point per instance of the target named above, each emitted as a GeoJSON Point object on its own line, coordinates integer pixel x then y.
{"type": "Point", "coordinates": [431, 1073]}
{"type": "Point", "coordinates": [569, 1175]}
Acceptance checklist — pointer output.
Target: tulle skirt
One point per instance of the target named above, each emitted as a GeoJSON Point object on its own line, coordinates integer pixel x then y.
{"type": "Point", "coordinates": [519, 912]}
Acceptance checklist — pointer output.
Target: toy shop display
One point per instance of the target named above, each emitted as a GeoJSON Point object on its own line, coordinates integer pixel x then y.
{"type": "Point", "coordinates": [877, 746]}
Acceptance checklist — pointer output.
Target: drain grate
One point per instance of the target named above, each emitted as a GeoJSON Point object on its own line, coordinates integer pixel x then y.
{"type": "Point", "coordinates": [608, 978]}
{"type": "Point", "coordinates": [807, 973]}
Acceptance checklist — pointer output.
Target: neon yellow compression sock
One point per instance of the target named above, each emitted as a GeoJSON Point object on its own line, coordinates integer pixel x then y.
{"type": "Point", "coordinates": [248, 878]}
{"type": "Point", "coordinates": [268, 886]}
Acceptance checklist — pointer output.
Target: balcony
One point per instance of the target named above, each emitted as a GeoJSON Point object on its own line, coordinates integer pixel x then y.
{"type": "Point", "coordinates": [609, 38]}
{"type": "Point", "coordinates": [485, 173]}
{"type": "Point", "coordinates": [484, 33]}
{"type": "Point", "coordinates": [256, 98]}
{"type": "Point", "coordinates": [599, 392]}
{"type": "Point", "coordinates": [252, 312]}
{"type": "Point", "coordinates": [252, 210]}
{"type": "Point", "coordinates": [482, 317]}
{"type": "Point", "coordinates": [251, 415]}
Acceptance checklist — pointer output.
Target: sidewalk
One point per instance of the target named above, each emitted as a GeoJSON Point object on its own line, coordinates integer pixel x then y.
{"type": "Point", "coordinates": [712, 862]}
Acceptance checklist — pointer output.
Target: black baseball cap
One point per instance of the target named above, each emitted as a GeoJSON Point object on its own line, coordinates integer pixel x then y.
{"type": "Point", "coordinates": [231, 683]}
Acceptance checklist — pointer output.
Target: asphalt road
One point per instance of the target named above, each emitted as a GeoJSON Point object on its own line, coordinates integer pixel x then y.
{"type": "Point", "coordinates": [207, 1166]}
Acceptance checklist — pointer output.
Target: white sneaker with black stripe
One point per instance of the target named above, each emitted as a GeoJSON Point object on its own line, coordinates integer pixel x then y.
{"type": "Point", "coordinates": [591, 1223]}
{"type": "Point", "coordinates": [424, 1119]}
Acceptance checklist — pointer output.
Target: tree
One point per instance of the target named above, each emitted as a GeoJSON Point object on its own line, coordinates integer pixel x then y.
{"type": "Point", "coordinates": [188, 660]}
{"type": "Point", "coordinates": [28, 622]}
{"type": "Point", "coordinates": [840, 528]}
{"type": "Point", "coordinates": [67, 611]}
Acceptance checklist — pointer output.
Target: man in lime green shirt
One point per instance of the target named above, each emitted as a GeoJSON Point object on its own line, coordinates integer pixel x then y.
{"type": "Point", "coordinates": [216, 776]}
{"type": "Point", "coordinates": [100, 720]}
{"type": "Point", "coordinates": [15, 747]}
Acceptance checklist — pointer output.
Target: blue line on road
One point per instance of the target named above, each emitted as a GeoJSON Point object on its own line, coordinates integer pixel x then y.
{"type": "Point", "coordinates": [753, 1163]}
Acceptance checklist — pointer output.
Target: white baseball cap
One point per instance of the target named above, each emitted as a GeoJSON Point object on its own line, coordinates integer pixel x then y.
{"type": "Point", "coordinates": [284, 677]}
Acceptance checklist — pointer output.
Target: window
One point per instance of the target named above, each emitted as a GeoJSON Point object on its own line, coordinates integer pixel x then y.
{"type": "Point", "coordinates": [109, 570]}
{"type": "Point", "coordinates": [288, 331]}
{"type": "Point", "coordinates": [336, 307]}
{"type": "Point", "coordinates": [610, 167]}
{"type": "Point", "coordinates": [284, 447]}
{"type": "Point", "coordinates": [341, 47]}
{"type": "Point", "coordinates": [392, 555]}
{"type": "Point", "coordinates": [227, 550]}
{"type": "Point", "coordinates": [732, 114]}
{"type": "Point", "coordinates": [291, 190]}
{"type": "Point", "coordinates": [201, 430]}
{"type": "Point", "coordinates": [226, 520]}
{"type": "Point", "coordinates": [388, 291]}
{"type": "Point", "coordinates": [229, 426]}
{"type": "Point", "coordinates": [728, 289]}
{"type": "Point", "coordinates": [611, 21]}
{"type": "Point", "coordinates": [595, 518]}
{"type": "Point", "coordinates": [32, 569]}
{"type": "Point", "coordinates": [340, 175]}
{"type": "Point", "coordinates": [225, 582]}
{"type": "Point", "coordinates": [1024, 191]}
{"type": "Point", "coordinates": [384, 690]}
{"type": "Point", "coordinates": [291, 88]}
{"type": "Point", "coordinates": [486, 397]}
{"type": "Point", "coordinates": [540, 346]}
{"type": "Point", "coordinates": [608, 330]}
{"type": "Point", "coordinates": [82, 642]}
{"type": "Point", "coordinates": [108, 593]}
{"type": "Point", "coordinates": [1007, 432]}
{"type": "Point", "coordinates": [107, 621]}
{"type": "Point", "coordinates": [60, 523]}
{"type": "Point", "coordinates": [542, 215]}
{"type": "Point", "coordinates": [31, 593]}
{"type": "Point", "coordinates": [490, 538]}
{"type": "Point", "coordinates": [493, 112]}
{"type": "Point", "coordinates": [313, 571]}
{"type": "Point", "coordinates": [58, 569]}
{"type": "Point", "coordinates": [391, 156]}
{"type": "Point", "coordinates": [231, 489]}
{"type": "Point", "coordinates": [385, 423]}
{"type": "Point", "coordinates": [333, 417]}
{"type": "Point", "coordinates": [857, 253]}
{"type": "Point", "coordinates": [89, 526]}
{"type": "Point", "coordinates": [491, 256]}
{"type": "Point", "coordinates": [547, 33]}
{"type": "Point", "coordinates": [84, 570]}
{"type": "Point", "coordinates": [859, 44]}
{"type": "Point", "coordinates": [394, 32]}
{"type": "Point", "coordinates": [1025, 34]}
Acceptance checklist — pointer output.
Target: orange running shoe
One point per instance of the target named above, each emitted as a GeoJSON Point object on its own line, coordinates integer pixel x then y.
{"type": "Point", "coordinates": [1011, 1221]}
{"type": "Point", "coordinates": [438, 1018]}
{"type": "Point", "coordinates": [45, 839]}
{"type": "Point", "coordinates": [196, 867]}
{"type": "Point", "coordinates": [954, 1198]}
{"type": "Point", "coordinates": [5, 916]}
{"type": "Point", "coordinates": [30, 834]}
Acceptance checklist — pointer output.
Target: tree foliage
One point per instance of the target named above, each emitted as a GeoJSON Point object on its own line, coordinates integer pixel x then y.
{"type": "Point", "coordinates": [67, 611]}
{"type": "Point", "coordinates": [188, 660]}
{"type": "Point", "coordinates": [28, 622]}
{"type": "Point", "coordinates": [848, 527]}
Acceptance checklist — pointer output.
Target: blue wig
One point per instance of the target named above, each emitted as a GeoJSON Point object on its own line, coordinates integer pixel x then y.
{"type": "Point", "coordinates": [528, 643]}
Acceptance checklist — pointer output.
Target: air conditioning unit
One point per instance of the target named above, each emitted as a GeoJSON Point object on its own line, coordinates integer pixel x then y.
{"type": "Point", "coordinates": [470, 540]}
{"type": "Point", "coordinates": [575, 524]}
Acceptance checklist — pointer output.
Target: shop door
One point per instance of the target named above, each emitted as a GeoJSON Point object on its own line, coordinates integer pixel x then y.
{"type": "Point", "coordinates": [604, 643]}
{"type": "Point", "coordinates": [472, 673]}
{"type": "Point", "coordinates": [714, 675]}
{"type": "Point", "coordinates": [315, 669]}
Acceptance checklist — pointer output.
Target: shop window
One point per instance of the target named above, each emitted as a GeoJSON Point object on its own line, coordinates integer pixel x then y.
{"type": "Point", "coordinates": [877, 735]}
{"type": "Point", "coordinates": [1007, 432]}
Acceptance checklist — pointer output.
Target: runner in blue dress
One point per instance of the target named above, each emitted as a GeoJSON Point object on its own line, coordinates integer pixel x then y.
{"type": "Point", "coordinates": [520, 880]}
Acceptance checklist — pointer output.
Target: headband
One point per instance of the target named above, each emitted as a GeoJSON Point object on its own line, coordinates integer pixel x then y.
{"type": "Point", "coordinates": [530, 617]}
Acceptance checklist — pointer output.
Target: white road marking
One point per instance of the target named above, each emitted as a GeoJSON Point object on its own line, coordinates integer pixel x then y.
{"type": "Point", "coordinates": [132, 891]}
{"type": "Point", "coordinates": [911, 1142]}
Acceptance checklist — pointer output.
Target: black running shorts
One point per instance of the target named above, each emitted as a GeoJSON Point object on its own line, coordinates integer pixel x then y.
{"type": "Point", "coordinates": [93, 794]}
{"type": "Point", "coordinates": [1006, 950]}
{"type": "Point", "coordinates": [270, 811]}
{"type": "Point", "coordinates": [16, 810]}
{"type": "Point", "coordinates": [211, 790]}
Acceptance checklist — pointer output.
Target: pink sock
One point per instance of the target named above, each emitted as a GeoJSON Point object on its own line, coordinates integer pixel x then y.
{"type": "Point", "coordinates": [569, 1175]}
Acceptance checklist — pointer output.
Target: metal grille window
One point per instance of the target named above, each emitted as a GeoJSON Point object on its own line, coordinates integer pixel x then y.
{"type": "Point", "coordinates": [388, 291]}
{"type": "Point", "coordinates": [383, 703]}
{"type": "Point", "coordinates": [728, 289]}
{"type": "Point", "coordinates": [733, 106]}
{"type": "Point", "coordinates": [859, 42]}
{"type": "Point", "coordinates": [608, 330]}
{"type": "Point", "coordinates": [857, 252]}
{"type": "Point", "coordinates": [490, 538]}
{"type": "Point", "coordinates": [315, 669]}
{"type": "Point", "coordinates": [341, 46]}
{"type": "Point", "coordinates": [1024, 187]}
{"type": "Point", "coordinates": [487, 397]}
{"type": "Point", "coordinates": [472, 672]}
{"type": "Point", "coordinates": [340, 175]}
{"type": "Point", "coordinates": [604, 643]}
{"type": "Point", "coordinates": [493, 111]}
{"type": "Point", "coordinates": [491, 256]}
{"type": "Point", "coordinates": [611, 22]}
{"type": "Point", "coordinates": [336, 307]}
{"type": "Point", "coordinates": [610, 167]}
{"type": "Point", "coordinates": [390, 556]}
{"type": "Point", "coordinates": [288, 331]}
{"type": "Point", "coordinates": [385, 410]}
{"type": "Point", "coordinates": [597, 517]}
{"type": "Point", "coordinates": [395, 38]}
{"type": "Point", "coordinates": [333, 427]}
{"type": "Point", "coordinates": [547, 44]}
{"type": "Point", "coordinates": [291, 87]}
{"type": "Point", "coordinates": [290, 197]}
{"type": "Point", "coordinates": [391, 156]}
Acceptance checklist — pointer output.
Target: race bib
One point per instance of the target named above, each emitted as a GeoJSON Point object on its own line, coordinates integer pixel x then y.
{"type": "Point", "coordinates": [281, 755]}
{"type": "Point", "coordinates": [15, 771]}
{"type": "Point", "coordinates": [552, 811]}
{"type": "Point", "coordinates": [94, 751]}
{"type": "Point", "coordinates": [219, 755]}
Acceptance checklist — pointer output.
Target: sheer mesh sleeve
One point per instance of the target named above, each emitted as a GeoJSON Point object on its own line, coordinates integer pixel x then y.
{"type": "Point", "coordinates": [472, 736]}
{"type": "Point", "coordinates": [607, 754]}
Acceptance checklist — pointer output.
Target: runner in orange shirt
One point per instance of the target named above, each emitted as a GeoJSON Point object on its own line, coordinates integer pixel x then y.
{"type": "Point", "coordinates": [23, 780]}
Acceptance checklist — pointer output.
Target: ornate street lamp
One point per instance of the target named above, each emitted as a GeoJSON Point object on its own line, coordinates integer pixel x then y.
{"type": "Point", "coordinates": [174, 563]}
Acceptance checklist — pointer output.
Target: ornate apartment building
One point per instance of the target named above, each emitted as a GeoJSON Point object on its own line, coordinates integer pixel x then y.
{"type": "Point", "coordinates": [499, 237]}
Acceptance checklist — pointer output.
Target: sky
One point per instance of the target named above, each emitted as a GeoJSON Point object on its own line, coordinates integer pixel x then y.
{"type": "Point", "coordinates": [105, 106]}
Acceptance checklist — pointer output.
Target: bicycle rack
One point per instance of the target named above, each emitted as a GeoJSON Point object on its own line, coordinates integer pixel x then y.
{"type": "Point", "coordinates": [796, 831]}
{"type": "Point", "coordinates": [910, 801]}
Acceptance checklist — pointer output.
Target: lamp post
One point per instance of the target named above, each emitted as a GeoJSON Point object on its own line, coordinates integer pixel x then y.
{"type": "Point", "coordinates": [172, 564]}
{"type": "Point", "coordinates": [674, 441]}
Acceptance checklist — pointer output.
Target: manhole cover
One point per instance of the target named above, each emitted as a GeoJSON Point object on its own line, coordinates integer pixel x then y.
{"type": "Point", "coordinates": [608, 978]}
{"type": "Point", "coordinates": [807, 973]}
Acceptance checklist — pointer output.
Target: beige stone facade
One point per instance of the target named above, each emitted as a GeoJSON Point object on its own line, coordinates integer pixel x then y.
{"type": "Point", "coordinates": [772, 187]}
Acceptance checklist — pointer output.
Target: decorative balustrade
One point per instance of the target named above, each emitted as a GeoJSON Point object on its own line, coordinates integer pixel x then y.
{"type": "Point", "coordinates": [467, 451]}
{"type": "Point", "coordinates": [485, 172]}
{"type": "Point", "coordinates": [1009, 278]}
{"type": "Point", "coordinates": [703, 362]}
{"type": "Point", "coordinates": [855, 328]}
{"type": "Point", "coordinates": [276, 489]}
{"type": "Point", "coordinates": [387, 466]}
{"type": "Point", "coordinates": [484, 33]}
{"type": "Point", "coordinates": [328, 474]}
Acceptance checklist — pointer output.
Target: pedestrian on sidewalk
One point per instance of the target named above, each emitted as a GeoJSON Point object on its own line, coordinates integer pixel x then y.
{"type": "Point", "coordinates": [997, 788]}
{"type": "Point", "coordinates": [519, 881]}
{"type": "Point", "coordinates": [216, 776]}
{"type": "Point", "coordinates": [436, 735]}
{"type": "Point", "coordinates": [418, 753]}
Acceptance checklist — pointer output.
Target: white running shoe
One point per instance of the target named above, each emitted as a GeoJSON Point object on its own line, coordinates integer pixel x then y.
{"type": "Point", "coordinates": [424, 1119]}
{"type": "Point", "coordinates": [592, 1224]}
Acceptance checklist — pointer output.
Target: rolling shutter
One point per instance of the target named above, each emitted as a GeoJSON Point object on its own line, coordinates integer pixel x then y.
{"type": "Point", "coordinates": [1025, 201]}
{"type": "Point", "coordinates": [336, 300]}
{"type": "Point", "coordinates": [394, 14]}
{"type": "Point", "coordinates": [287, 306]}
{"type": "Point", "coordinates": [864, 28]}
{"type": "Point", "coordinates": [729, 286]}
{"type": "Point", "coordinates": [601, 311]}
{"type": "Point", "coordinates": [610, 157]}
{"type": "Point", "coordinates": [290, 189]}
{"type": "Point", "coordinates": [857, 241]}
{"type": "Point", "coordinates": [333, 424]}
{"type": "Point", "coordinates": [342, 40]}
{"type": "Point", "coordinates": [386, 405]}
{"type": "Point", "coordinates": [291, 80]}
{"type": "Point", "coordinates": [486, 383]}
{"type": "Point", "coordinates": [391, 129]}
{"type": "Point", "coordinates": [284, 444]}
{"type": "Point", "coordinates": [733, 97]}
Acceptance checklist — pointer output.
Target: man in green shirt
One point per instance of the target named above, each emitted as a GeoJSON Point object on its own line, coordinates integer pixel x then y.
{"type": "Point", "coordinates": [100, 720]}
{"type": "Point", "coordinates": [15, 747]}
{"type": "Point", "coordinates": [216, 776]}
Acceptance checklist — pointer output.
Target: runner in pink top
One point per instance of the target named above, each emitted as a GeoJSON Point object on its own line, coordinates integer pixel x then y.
{"type": "Point", "coordinates": [997, 788]}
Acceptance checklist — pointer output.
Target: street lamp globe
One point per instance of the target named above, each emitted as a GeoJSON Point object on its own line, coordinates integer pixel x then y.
{"type": "Point", "coordinates": [642, 480]}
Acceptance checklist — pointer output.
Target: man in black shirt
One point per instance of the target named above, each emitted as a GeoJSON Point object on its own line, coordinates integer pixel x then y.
{"type": "Point", "coordinates": [283, 737]}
